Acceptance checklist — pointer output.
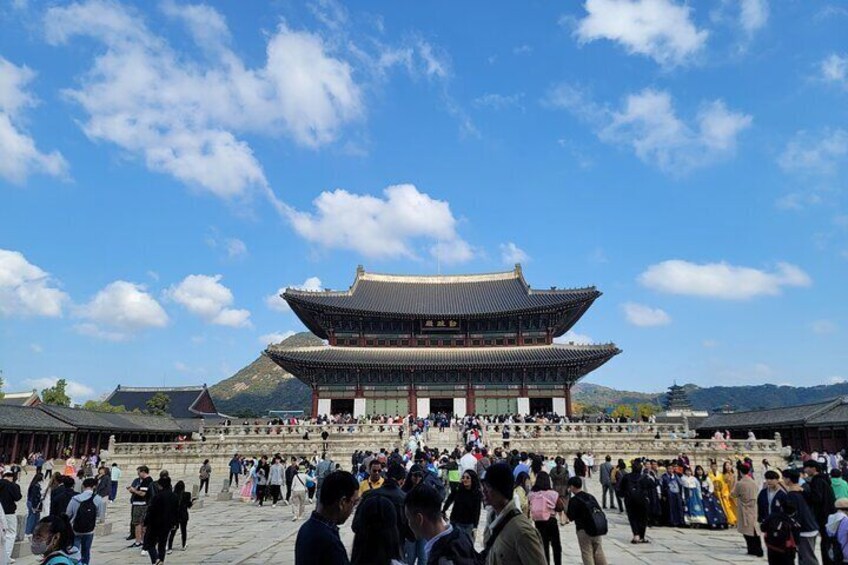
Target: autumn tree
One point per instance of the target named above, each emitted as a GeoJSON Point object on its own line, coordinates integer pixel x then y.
{"type": "Point", "coordinates": [622, 411]}
{"type": "Point", "coordinates": [56, 394]}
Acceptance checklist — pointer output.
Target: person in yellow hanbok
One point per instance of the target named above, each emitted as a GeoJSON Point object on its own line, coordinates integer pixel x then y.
{"type": "Point", "coordinates": [723, 484]}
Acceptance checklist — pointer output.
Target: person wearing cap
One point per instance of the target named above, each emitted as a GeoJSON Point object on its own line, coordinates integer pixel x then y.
{"type": "Point", "coordinates": [10, 494]}
{"type": "Point", "coordinates": [511, 538]}
{"type": "Point", "coordinates": [837, 525]}
{"type": "Point", "coordinates": [745, 493]}
{"type": "Point", "coordinates": [821, 499]}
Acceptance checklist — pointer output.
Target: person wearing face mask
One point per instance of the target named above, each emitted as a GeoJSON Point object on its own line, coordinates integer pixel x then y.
{"type": "Point", "coordinates": [53, 540]}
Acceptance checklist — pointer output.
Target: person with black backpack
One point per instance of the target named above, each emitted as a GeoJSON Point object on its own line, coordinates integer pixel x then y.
{"type": "Point", "coordinates": [589, 520]}
{"type": "Point", "coordinates": [83, 511]}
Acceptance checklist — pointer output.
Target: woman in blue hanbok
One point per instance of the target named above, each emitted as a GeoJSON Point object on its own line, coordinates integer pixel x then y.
{"type": "Point", "coordinates": [692, 499]}
{"type": "Point", "coordinates": [713, 510]}
{"type": "Point", "coordinates": [672, 490]}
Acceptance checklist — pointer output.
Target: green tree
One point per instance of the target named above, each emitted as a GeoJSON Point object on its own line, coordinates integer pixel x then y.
{"type": "Point", "coordinates": [56, 394]}
{"type": "Point", "coordinates": [2, 394]}
{"type": "Point", "coordinates": [622, 411]}
{"type": "Point", "coordinates": [102, 406]}
{"type": "Point", "coordinates": [158, 404]}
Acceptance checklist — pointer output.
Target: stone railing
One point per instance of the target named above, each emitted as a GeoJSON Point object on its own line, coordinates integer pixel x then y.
{"type": "Point", "coordinates": [586, 430]}
{"type": "Point", "coordinates": [314, 430]}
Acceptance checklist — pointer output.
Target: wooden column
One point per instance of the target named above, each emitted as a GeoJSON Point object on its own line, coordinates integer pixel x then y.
{"type": "Point", "coordinates": [87, 443]}
{"type": "Point", "coordinates": [31, 443]}
{"type": "Point", "coordinates": [46, 449]}
{"type": "Point", "coordinates": [314, 403]}
{"type": "Point", "coordinates": [568, 401]}
{"type": "Point", "coordinates": [413, 404]}
{"type": "Point", "coordinates": [471, 406]}
{"type": "Point", "coordinates": [15, 447]}
{"type": "Point", "coordinates": [99, 437]}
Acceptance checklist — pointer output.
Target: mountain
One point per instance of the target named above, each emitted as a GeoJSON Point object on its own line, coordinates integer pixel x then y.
{"type": "Point", "coordinates": [263, 385]}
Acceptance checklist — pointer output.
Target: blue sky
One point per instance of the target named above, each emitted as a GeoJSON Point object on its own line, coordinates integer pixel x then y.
{"type": "Point", "coordinates": [166, 167]}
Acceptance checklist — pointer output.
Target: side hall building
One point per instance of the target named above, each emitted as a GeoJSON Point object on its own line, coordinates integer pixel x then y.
{"type": "Point", "coordinates": [457, 344]}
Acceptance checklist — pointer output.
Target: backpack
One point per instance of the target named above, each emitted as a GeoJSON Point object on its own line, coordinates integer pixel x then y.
{"type": "Point", "coordinates": [779, 532]}
{"type": "Point", "coordinates": [597, 525]}
{"type": "Point", "coordinates": [86, 517]}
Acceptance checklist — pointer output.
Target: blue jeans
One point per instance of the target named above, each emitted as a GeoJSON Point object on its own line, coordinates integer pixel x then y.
{"type": "Point", "coordinates": [83, 543]}
{"type": "Point", "coordinates": [114, 492]}
{"type": "Point", "coordinates": [413, 549]}
{"type": "Point", "coordinates": [31, 521]}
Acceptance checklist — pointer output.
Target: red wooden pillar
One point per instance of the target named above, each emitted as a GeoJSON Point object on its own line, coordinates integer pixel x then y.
{"type": "Point", "coordinates": [520, 338]}
{"type": "Point", "coordinates": [413, 402]}
{"type": "Point", "coordinates": [568, 401]}
{"type": "Point", "coordinates": [46, 449]}
{"type": "Point", "coordinates": [99, 439]}
{"type": "Point", "coordinates": [15, 447]}
{"type": "Point", "coordinates": [471, 406]}
{"type": "Point", "coordinates": [31, 443]}
{"type": "Point", "coordinates": [87, 443]}
{"type": "Point", "coordinates": [314, 402]}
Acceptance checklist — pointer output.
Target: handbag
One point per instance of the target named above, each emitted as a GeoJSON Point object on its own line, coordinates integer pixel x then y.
{"type": "Point", "coordinates": [560, 504]}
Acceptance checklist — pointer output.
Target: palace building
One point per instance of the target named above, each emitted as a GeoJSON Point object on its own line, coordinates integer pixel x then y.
{"type": "Point", "coordinates": [458, 344]}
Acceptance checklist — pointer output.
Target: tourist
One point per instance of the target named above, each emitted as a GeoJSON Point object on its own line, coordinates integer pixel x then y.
{"type": "Point", "coordinates": [580, 510]}
{"type": "Point", "coordinates": [672, 495]}
{"type": "Point", "coordinates": [808, 528]}
{"type": "Point", "coordinates": [261, 484]}
{"type": "Point", "coordinates": [821, 500]}
{"type": "Point", "coordinates": [184, 502]}
{"type": "Point", "coordinates": [519, 492]}
{"type": "Point", "coordinates": [724, 483]}
{"type": "Point", "coordinates": [771, 498]}
{"type": "Point", "coordinates": [780, 530]}
{"type": "Point", "coordinates": [468, 462]}
{"type": "Point", "coordinates": [694, 504]}
{"type": "Point", "coordinates": [511, 537]}
{"type": "Point", "coordinates": [745, 493]}
{"type": "Point", "coordinates": [204, 475]}
{"type": "Point", "coordinates": [579, 466]}
{"type": "Point", "coordinates": [83, 513]}
{"type": "Point", "coordinates": [235, 470]}
{"type": "Point", "coordinates": [838, 484]}
{"type": "Point", "coordinates": [376, 540]}
{"type": "Point", "coordinates": [544, 502]}
{"type": "Point", "coordinates": [161, 517]}
{"type": "Point", "coordinates": [712, 507]}
{"type": "Point", "coordinates": [247, 489]}
{"type": "Point", "coordinates": [291, 471]}
{"type": "Point", "coordinates": [275, 480]}
{"type": "Point", "coordinates": [616, 476]}
{"type": "Point", "coordinates": [3, 557]}
{"type": "Point", "coordinates": [445, 542]}
{"type": "Point", "coordinates": [559, 480]}
{"type": "Point", "coordinates": [605, 477]}
{"type": "Point", "coordinates": [140, 496]}
{"type": "Point", "coordinates": [391, 491]}
{"type": "Point", "coordinates": [298, 493]}
{"type": "Point", "coordinates": [467, 502]}
{"type": "Point", "coordinates": [53, 541]}
{"type": "Point", "coordinates": [838, 525]}
{"type": "Point", "coordinates": [61, 494]}
{"type": "Point", "coordinates": [374, 480]}
{"type": "Point", "coordinates": [115, 474]}
{"type": "Point", "coordinates": [34, 503]}
{"type": "Point", "coordinates": [103, 489]}
{"type": "Point", "coordinates": [633, 487]}
{"type": "Point", "coordinates": [48, 468]}
{"type": "Point", "coordinates": [318, 541]}
{"type": "Point", "coordinates": [10, 494]}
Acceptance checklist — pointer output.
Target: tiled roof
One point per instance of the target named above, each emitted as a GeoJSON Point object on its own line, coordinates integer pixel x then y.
{"type": "Point", "coordinates": [442, 296]}
{"type": "Point", "coordinates": [19, 398]}
{"type": "Point", "coordinates": [427, 357]}
{"type": "Point", "coordinates": [181, 405]}
{"type": "Point", "coordinates": [816, 413]}
{"type": "Point", "coordinates": [107, 421]}
{"type": "Point", "coordinates": [30, 418]}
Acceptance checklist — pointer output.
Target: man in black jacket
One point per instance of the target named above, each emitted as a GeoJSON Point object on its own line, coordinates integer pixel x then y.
{"type": "Point", "coordinates": [161, 517]}
{"type": "Point", "coordinates": [390, 490]}
{"type": "Point", "coordinates": [10, 494]}
{"type": "Point", "coordinates": [579, 511]}
{"type": "Point", "coordinates": [445, 544]}
{"type": "Point", "coordinates": [821, 500]}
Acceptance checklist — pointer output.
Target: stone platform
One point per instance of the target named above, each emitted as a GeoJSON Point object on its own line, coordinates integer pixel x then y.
{"type": "Point", "coordinates": [234, 532]}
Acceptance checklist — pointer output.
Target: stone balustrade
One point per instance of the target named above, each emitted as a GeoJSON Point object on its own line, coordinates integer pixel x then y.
{"type": "Point", "coordinates": [585, 429]}
{"type": "Point", "coordinates": [287, 430]}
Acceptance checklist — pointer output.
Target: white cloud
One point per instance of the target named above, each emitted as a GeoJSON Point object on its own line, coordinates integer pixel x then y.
{"type": "Point", "coordinates": [182, 116]}
{"type": "Point", "coordinates": [522, 50]}
{"type": "Point", "coordinates": [645, 316]}
{"type": "Point", "coordinates": [573, 337]}
{"type": "Point", "coordinates": [206, 297]}
{"type": "Point", "coordinates": [710, 343]}
{"type": "Point", "coordinates": [824, 327]}
{"type": "Point", "coordinates": [836, 380]}
{"type": "Point", "coordinates": [235, 248]}
{"type": "Point", "coordinates": [27, 290]}
{"type": "Point", "coordinates": [275, 302]}
{"type": "Point", "coordinates": [36, 348]}
{"type": "Point", "coordinates": [822, 153]}
{"type": "Point", "coordinates": [834, 68]}
{"type": "Point", "coordinates": [382, 227]}
{"type": "Point", "coordinates": [19, 156]}
{"type": "Point", "coordinates": [499, 101]}
{"type": "Point", "coordinates": [77, 391]}
{"type": "Point", "coordinates": [648, 123]}
{"type": "Point", "coordinates": [119, 310]}
{"type": "Point", "coordinates": [660, 29]}
{"type": "Point", "coordinates": [512, 254]}
{"type": "Point", "coordinates": [274, 338]}
{"type": "Point", "coordinates": [721, 280]}
{"type": "Point", "coordinates": [753, 14]}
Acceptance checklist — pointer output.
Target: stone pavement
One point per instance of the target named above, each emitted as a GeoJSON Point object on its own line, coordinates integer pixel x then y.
{"type": "Point", "coordinates": [235, 532]}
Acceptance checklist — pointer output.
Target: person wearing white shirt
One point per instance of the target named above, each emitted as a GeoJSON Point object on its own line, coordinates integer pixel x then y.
{"type": "Point", "coordinates": [467, 462]}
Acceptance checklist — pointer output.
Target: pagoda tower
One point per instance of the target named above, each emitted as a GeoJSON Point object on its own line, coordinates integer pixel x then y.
{"type": "Point", "coordinates": [676, 399]}
{"type": "Point", "coordinates": [459, 344]}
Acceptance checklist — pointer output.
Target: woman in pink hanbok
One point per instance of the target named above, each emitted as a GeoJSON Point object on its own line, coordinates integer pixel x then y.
{"type": "Point", "coordinates": [246, 491]}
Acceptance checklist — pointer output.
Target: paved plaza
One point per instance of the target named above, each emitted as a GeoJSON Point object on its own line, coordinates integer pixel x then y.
{"type": "Point", "coordinates": [235, 532]}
